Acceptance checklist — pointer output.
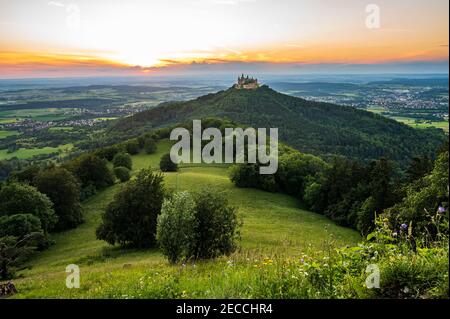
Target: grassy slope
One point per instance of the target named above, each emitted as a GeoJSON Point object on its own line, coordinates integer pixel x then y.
{"type": "Point", "coordinates": [273, 225]}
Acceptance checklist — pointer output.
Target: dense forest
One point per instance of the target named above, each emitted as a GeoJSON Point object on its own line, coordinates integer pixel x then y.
{"type": "Point", "coordinates": [311, 127]}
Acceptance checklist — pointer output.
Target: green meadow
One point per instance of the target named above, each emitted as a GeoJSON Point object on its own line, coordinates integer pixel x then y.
{"type": "Point", "coordinates": [274, 226]}
{"type": "Point", "coordinates": [24, 153]}
{"type": "Point", "coordinates": [4, 134]}
{"type": "Point", "coordinates": [423, 124]}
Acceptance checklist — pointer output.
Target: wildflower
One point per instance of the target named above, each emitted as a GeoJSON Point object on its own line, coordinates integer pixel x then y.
{"type": "Point", "coordinates": [394, 234]}
{"type": "Point", "coordinates": [441, 209]}
{"type": "Point", "coordinates": [404, 227]}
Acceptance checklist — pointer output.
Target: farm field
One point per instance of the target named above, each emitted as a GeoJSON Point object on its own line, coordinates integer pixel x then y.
{"type": "Point", "coordinates": [274, 227]}
{"type": "Point", "coordinates": [423, 124]}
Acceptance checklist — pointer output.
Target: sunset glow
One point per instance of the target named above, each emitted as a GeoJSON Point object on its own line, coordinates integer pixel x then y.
{"type": "Point", "coordinates": [42, 37]}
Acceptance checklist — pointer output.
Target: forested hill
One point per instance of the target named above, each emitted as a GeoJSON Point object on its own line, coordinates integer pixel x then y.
{"type": "Point", "coordinates": [311, 127]}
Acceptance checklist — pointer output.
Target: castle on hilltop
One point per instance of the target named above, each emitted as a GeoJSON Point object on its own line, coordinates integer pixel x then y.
{"type": "Point", "coordinates": [246, 83]}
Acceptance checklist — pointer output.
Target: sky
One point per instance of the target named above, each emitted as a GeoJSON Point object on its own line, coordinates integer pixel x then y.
{"type": "Point", "coordinates": [41, 38]}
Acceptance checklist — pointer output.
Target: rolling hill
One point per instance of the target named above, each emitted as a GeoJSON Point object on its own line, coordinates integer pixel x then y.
{"type": "Point", "coordinates": [273, 226]}
{"type": "Point", "coordinates": [312, 127]}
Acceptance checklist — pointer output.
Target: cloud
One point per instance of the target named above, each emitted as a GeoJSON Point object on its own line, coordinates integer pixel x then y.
{"type": "Point", "coordinates": [55, 4]}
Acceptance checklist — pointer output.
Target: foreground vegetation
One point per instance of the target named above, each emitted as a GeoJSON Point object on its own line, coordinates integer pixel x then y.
{"type": "Point", "coordinates": [285, 252]}
{"type": "Point", "coordinates": [273, 226]}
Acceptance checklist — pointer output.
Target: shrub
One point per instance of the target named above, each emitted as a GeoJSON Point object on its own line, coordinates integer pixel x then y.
{"type": "Point", "coordinates": [87, 192]}
{"type": "Point", "coordinates": [24, 199]}
{"type": "Point", "coordinates": [166, 164]}
{"type": "Point", "coordinates": [122, 173]}
{"type": "Point", "coordinates": [423, 199]}
{"type": "Point", "coordinates": [130, 219]}
{"type": "Point", "coordinates": [19, 225]}
{"type": "Point", "coordinates": [122, 160]}
{"type": "Point", "coordinates": [132, 147]}
{"type": "Point", "coordinates": [63, 190]}
{"type": "Point", "coordinates": [150, 146]}
{"type": "Point", "coordinates": [176, 225]}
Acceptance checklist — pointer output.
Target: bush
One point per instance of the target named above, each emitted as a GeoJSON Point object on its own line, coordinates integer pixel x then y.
{"type": "Point", "coordinates": [24, 199]}
{"type": "Point", "coordinates": [423, 199]}
{"type": "Point", "coordinates": [176, 225]}
{"type": "Point", "coordinates": [130, 219]}
{"type": "Point", "coordinates": [166, 164]}
{"type": "Point", "coordinates": [216, 227]}
{"type": "Point", "coordinates": [132, 147]}
{"type": "Point", "coordinates": [201, 227]}
{"type": "Point", "coordinates": [87, 192]}
{"type": "Point", "coordinates": [150, 146]}
{"type": "Point", "coordinates": [122, 173]}
{"type": "Point", "coordinates": [92, 170]}
{"type": "Point", "coordinates": [63, 190]}
{"type": "Point", "coordinates": [19, 225]}
{"type": "Point", "coordinates": [122, 160]}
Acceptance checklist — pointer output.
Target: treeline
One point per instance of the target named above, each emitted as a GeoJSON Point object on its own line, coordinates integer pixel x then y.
{"type": "Point", "coordinates": [352, 194]}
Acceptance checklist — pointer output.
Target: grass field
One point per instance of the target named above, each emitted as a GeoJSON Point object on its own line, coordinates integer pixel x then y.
{"type": "Point", "coordinates": [444, 125]}
{"type": "Point", "coordinates": [4, 134]}
{"type": "Point", "coordinates": [24, 153]}
{"type": "Point", "coordinates": [44, 114]}
{"type": "Point", "coordinates": [274, 226]}
{"type": "Point", "coordinates": [420, 125]}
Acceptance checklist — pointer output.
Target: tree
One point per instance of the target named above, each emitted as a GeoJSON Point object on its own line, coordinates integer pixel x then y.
{"type": "Point", "coordinates": [63, 190]}
{"type": "Point", "coordinates": [14, 251]}
{"type": "Point", "coordinates": [166, 164]}
{"type": "Point", "coordinates": [419, 167]}
{"type": "Point", "coordinates": [216, 228]}
{"type": "Point", "coordinates": [198, 226]}
{"type": "Point", "coordinates": [108, 152]}
{"type": "Point", "coordinates": [176, 227]}
{"type": "Point", "coordinates": [295, 170]}
{"type": "Point", "coordinates": [132, 146]}
{"type": "Point", "coordinates": [123, 160]}
{"type": "Point", "coordinates": [24, 199]}
{"type": "Point", "coordinates": [122, 173]}
{"type": "Point", "coordinates": [92, 170]}
{"type": "Point", "coordinates": [25, 176]}
{"type": "Point", "coordinates": [19, 225]}
{"type": "Point", "coordinates": [130, 219]}
{"type": "Point", "coordinates": [150, 146]}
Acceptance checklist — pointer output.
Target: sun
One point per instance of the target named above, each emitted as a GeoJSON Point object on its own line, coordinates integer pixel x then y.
{"type": "Point", "coordinates": [138, 59]}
